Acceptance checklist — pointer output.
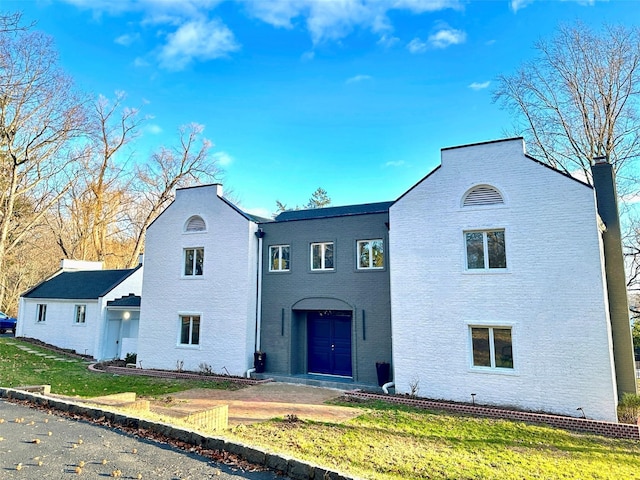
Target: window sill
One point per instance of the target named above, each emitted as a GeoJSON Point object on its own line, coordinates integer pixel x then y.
{"type": "Point", "coordinates": [509, 372]}
{"type": "Point", "coordinates": [487, 271]}
{"type": "Point", "coordinates": [183, 346]}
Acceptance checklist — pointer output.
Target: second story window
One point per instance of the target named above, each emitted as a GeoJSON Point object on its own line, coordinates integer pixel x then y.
{"type": "Point", "coordinates": [322, 256]}
{"type": "Point", "coordinates": [485, 250]}
{"type": "Point", "coordinates": [193, 261]}
{"type": "Point", "coordinates": [279, 258]}
{"type": "Point", "coordinates": [370, 254]}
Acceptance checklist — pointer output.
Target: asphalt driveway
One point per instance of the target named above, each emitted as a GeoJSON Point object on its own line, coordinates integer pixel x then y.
{"type": "Point", "coordinates": [38, 444]}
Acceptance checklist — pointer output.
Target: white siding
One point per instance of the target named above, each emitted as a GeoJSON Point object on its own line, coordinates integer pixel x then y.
{"type": "Point", "coordinates": [552, 294]}
{"type": "Point", "coordinates": [224, 296]}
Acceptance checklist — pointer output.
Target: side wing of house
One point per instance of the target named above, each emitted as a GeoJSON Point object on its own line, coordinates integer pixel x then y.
{"type": "Point", "coordinates": [497, 286]}
{"type": "Point", "coordinates": [199, 292]}
{"type": "Point", "coordinates": [66, 323]}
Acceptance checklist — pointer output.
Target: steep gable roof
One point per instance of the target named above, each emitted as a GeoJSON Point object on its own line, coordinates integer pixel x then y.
{"type": "Point", "coordinates": [80, 285]}
{"type": "Point", "coordinates": [328, 212]}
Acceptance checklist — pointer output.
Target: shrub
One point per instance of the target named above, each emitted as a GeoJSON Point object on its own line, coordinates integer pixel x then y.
{"type": "Point", "coordinates": [629, 408]}
{"type": "Point", "coordinates": [131, 358]}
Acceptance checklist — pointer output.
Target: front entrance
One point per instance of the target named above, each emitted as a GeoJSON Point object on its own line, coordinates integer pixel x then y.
{"type": "Point", "coordinates": [329, 343]}
{"type": "Point", "coordinates": [112, 343]}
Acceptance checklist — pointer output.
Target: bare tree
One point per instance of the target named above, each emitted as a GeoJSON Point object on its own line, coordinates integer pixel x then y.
{"type": "Point", "coordinates": [578, 99]}
{"type": "Point", "coordinates": [187, 163]}
{"type": "Point", "coordinates": [39, 116]}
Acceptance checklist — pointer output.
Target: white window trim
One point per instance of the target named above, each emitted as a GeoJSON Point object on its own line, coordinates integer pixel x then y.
{"type": "Point", "coordinates": [492, 369]}
{"type": "Point", "coordinates": [41, 313]}
{"type": "Point", "coordinates": [76, 312]}
{"type": "Point", "coordinates": [184, 257]}
{"type": "Point", "coordinates": [188, 346]}
{"type": "Point", "coordinates": [371, 267]}
{"type": "Point", "coordinates": [485, 248]}
{"type": "Point", "coordinates": [322, 257]}
{"type": "Point", "coordinates": [279, 247]}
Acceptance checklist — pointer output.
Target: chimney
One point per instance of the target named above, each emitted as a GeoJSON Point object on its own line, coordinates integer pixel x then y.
{"type": "Point", "coordinates": [607, 202]}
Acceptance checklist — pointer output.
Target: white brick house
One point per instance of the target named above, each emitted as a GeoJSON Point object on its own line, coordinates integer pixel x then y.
{"type": "Point", "coordinates": [72, 309]}
{"type": "Point", "coordinates": [498, 292]}
{"type": "Point", "coordinates": [200, 285]}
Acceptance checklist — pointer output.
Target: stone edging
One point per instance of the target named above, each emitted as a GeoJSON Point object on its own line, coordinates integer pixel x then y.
{"type": "Point", "coordinates": [606, 429]}
{"type": "Point", "coordinates": [294, 469]}
{"type": "Point", "coordinates": [168, 374]}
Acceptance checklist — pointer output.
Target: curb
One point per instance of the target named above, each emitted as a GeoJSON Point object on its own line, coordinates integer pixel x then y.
{"type": "Point", "coordinates": [291, 467]}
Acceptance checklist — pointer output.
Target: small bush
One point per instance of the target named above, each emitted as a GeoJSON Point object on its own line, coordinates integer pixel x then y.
{"type": "Point", "coordinates": [629, 408]}
{"type": "Point", "coordinates": [131, 358]}
{"type": "Point", "coordinates": [205, 369]}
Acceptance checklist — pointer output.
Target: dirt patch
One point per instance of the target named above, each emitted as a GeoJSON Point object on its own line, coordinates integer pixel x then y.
{"type": "Point", "coordinates": [258, 403]}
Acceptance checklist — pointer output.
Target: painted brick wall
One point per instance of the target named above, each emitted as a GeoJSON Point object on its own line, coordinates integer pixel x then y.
{"type": "Point", "coordinates": [552, 294]}
{"type": "Point", "coordinates": [60, 329]}
{"type": "Point", "coordinates": [344, 288]}
{"type": "Point", "coordinates": [224, 296]}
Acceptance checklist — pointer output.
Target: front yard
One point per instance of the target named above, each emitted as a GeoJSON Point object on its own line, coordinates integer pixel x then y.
{"type": "Point", "coordinates": [383, 442]}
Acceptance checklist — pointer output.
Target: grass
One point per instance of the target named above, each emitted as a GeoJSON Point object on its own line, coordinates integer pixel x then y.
{"type": "Point", "coordinates": [384, 442]}
{"type": "Point", "coordinates": [394, 442]}
{"type": "Point", "coordinates": [73, 378]}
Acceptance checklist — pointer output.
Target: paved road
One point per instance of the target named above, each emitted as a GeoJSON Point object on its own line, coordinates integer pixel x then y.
{"type": "Point", "coordinates": [42, 445]}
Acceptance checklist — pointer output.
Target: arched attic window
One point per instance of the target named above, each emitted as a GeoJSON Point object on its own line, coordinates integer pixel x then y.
{"type": "Point", "coordinates": [482, 195]}
{"type": "Point", "coordinates": [195, 224]}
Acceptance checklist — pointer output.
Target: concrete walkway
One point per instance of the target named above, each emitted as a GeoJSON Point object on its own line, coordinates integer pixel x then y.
{"type": "Point", "coordinates": [260, 402]}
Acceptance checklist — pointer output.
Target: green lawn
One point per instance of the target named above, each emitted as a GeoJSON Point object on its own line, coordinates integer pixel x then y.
{"type": "Point", "coordinates": [384, 442]}
{"type": "Point", "coordinates": [20, 368]}
{"type": "Point", "coordinates": [392, 442]}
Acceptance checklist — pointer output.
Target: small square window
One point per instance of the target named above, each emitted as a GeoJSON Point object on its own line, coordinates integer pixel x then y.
{"type": "Point", "coordinates": [322, 256]}
{"type": "Point", "coordinates": [485, 250]}
{"type": "Point", "coordinates": [190, 330]}
{"type": "Point", "coordinates": [492, 347]}
{"type": "Point", "coordinates": [193, 261]}
{"type": "Point", "coordinates": [41, 313]}
{"type": "Point", "coordinates": [81, 312]}
{"type": "Point", "coordinates": [279, 258]}
{"type": "Point", "coordinates": [370, 254]}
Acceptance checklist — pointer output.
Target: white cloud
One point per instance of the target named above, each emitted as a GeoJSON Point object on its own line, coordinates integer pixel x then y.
{"type": "Point", "coordinates": [395, 163]}
{"type": "Point", "coordinates": [308, 56]}
{"type": "Point", "coordinates": [127, 39]}
{"type": "Point", "coordinates": [387, 41]}
{"type": "Point", "coordinates": [223, 158]}
{"type": "Point", "coordinates": [330, 20]}
{"type": "Point", "coordinates": [197, 40]}
{"type": "Point", "coordinates": [358, 79]}
{"type": "Point", "coordinates": [154, 129]}
{"type": "Point", "coordinates": [140, 62]}
{"type": "Point", "coordinates": [447, 36]}
{"type": "Point", "coordinates": [417, 46]}
{"type": "Point", "coordinates": [519, 4]}
{"type": "Point", "coordinates": [479, 86]}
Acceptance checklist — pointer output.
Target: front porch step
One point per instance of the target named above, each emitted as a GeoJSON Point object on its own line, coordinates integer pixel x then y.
{"type": "Point", "coordinates": [338, 383]}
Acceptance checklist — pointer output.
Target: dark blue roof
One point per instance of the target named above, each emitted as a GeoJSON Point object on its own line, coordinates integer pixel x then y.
{"type": "Point", "coordinates": [130, 300]}
{"type": "Point", "coordinates": [81, 285]}
{"type": "Point", "coordinates": [327, 212]}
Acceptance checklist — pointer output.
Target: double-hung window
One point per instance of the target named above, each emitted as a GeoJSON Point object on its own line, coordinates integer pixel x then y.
{"type": "Point", "coordinates": [370, 254]}
{"type": "Point", "coordinates": [322, 256]}
{"type": "Point", "coordinates": [492, 347]}
{"type": "Point", "coordinates": [279, 258]}
{"type": "Point", "coordinates": [189, 330]}
{"type": "Point", "coordinates": [193, 261]}
{"type": "Point", "coordinates": [81, 312]}
{"type": "Point", "coordinates": [485, 250]}
{"type": "Point", "coordinates": [41, 314]}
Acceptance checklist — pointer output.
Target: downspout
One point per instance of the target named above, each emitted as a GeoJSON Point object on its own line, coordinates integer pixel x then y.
{"type": "Point", "coordinates": [607, 202]}
{"type": "Point", "coordinates": [260, 235]}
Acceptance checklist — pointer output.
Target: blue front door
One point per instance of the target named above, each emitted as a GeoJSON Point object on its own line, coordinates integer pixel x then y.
{"type": "Point", "coordinates": [329, 343]}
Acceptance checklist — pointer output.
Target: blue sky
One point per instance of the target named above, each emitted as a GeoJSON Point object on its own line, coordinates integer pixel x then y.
{"type": "Point", "coordinates": [355, 96]}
